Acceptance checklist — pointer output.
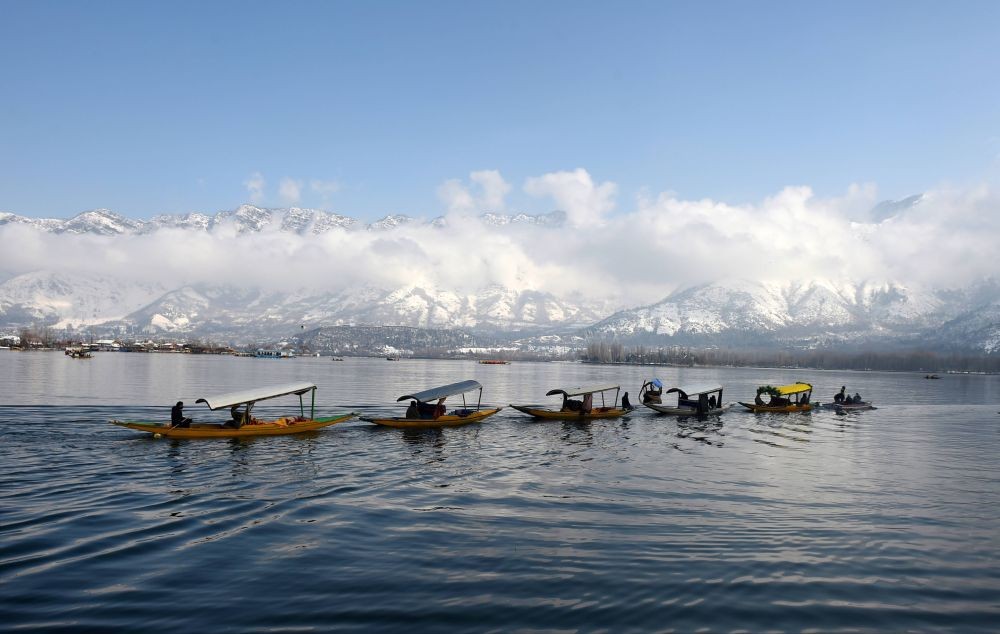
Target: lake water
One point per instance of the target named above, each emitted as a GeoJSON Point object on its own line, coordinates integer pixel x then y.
{"type": "Point", "coordinates": [886, 520]}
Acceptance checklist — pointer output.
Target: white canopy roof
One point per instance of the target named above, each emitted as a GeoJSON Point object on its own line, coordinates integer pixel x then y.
{"type": "Point", "coordinates": [577, 391]}
{"type": "Point", "coordinates": [696, 390]}
{"type": "Point", "coordinates": [435, 393]}
{"type": "Point", "coordinates": [256, 394]}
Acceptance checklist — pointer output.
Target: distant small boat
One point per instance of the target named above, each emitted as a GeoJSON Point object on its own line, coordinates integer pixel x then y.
{"type": "Point", "coordinates": [575, 409]}
{"type": "Point", "coordinates": [392, 357]}
{"type": "Point", "coordinates": [273, 354]}
{"type": "Point", "coordinates": [781, 400]}
{"type": "Point", "coordinates": [931, 376]}
{"type": "Point", "coordinates": [78, 353]}
{"type": "Point", "coordinates": [336, 358]}
{"type": "Point", "coordinates": [493, 362]}
{"type": "Point", "coordinates": [247, 425]}
{"type": "Point", "coordinates": [427, 413]}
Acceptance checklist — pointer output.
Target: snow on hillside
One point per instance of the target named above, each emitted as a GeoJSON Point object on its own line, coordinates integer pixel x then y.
{"type": "Point", "coordinates": [786, 310]}
{"type": "Point", "coordinates": [70, 299]}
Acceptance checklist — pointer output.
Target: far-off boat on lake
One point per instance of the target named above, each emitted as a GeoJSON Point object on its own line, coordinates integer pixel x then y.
{"type": "Point", "coordinates": [691, 401]}
{"type": "Point", "coordinates": [423, 412]}
{"type": "Point", "coordinates": [243, 423]}
{"type": "Point", "coordinates": [573, 409]}
{"type": "Point", "coordinates": [784, 398]}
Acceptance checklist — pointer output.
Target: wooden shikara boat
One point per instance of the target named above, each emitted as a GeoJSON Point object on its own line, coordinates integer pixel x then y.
{"type": "Point", "coordinates": [243, 423]}
{"type": "Point", "coordinates": [577, 410]}
{"type": "Point", "coordinates": [784, 399]}
{"type": "Point", "coordinates": [424, 413]}
{"type": "Point", "coordinates": [693, 401]}
{"type": "Point", "coordinates": [847, 407]}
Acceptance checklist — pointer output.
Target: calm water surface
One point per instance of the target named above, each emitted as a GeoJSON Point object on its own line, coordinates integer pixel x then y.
{"type": "Point", "coordinates": [885, 520]}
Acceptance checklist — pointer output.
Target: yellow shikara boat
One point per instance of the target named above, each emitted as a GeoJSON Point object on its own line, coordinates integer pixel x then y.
{"type": "Point", "coordinates": [424, 413]}
{"type": "Point", "coordinates": [577, 410]}
{"type": "Point", "coordinates": [782, 398]}
{"type": "Point", "coordinates": [243, 423]}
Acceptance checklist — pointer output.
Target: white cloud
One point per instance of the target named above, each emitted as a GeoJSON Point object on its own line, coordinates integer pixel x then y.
{"type": "Point", "coordinates": [324, 188]}
{"type": "Point", "coordinates": [255, 187]}
{"type": "Point", "coordinates": [488, 192]}
{"type": "Point", "coordinates": [494, 189]}
{"type": "Point", "coordinates": [633, 256]}
{"type": "Point", "coordinates": [584, 202]}
{"type": "Point", "coordinates": [290, 191]}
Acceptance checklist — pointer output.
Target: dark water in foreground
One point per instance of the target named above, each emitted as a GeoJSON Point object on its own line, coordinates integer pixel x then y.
{"type": "Point", "coordinates": [885, 520]}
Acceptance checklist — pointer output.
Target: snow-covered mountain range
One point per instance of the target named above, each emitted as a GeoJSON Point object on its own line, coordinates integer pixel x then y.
{"type": "Point", "coordinates": [246, 219]}
{"type": "Point", "coordinates": [815, 313]}
{"type": "Point", "coordinates": [739, 313]}
{"type": "Point", "coordinates": [733, 312]}
{"type": "Point", "coordinates": [78, 300]}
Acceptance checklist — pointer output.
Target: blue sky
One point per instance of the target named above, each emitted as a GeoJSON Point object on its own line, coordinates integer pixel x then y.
{"type": "Point", "coordinates": [173, 107]}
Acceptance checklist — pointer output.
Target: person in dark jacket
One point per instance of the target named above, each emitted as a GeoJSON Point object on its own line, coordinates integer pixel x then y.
{"type": "Point", "coordinates": [413, 411]}
{"type": "Point", "coordinates": [625, 404]}
{"type": "Point", "coordinates": [840, 396]}
{"type": "Point", "coordinates": [177, 416]}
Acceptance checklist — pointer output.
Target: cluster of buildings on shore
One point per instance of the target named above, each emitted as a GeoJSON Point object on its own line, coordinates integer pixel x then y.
{"type": "Point", "coordinates": [15, 342]}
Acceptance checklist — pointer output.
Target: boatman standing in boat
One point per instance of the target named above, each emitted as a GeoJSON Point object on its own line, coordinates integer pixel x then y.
{"type": "Point", "coordinates": [177, 416]}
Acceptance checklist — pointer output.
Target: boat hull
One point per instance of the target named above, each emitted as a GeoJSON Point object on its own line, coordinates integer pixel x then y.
{"type": "Point", "coordinates": [780, 409]}
{"type": "Point", "coordinates": [684, 411]}
{"type": "Point", "coordinates": [448, 420]}
{"type": "Point", "coordinates": [547, 414]}
{"type": "Point", "coordinates": [280, 427]}
{"type": "Point", "coordinates": [845, 407]}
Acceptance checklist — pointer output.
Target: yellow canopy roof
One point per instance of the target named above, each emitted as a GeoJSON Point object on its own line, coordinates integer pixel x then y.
{"type": "Point", "coordinates": [794, 388]}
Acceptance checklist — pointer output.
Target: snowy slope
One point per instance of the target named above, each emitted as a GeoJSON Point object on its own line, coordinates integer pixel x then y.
{"type": "Point", "coordinates": [764, 311]}
{"type": "Point", "coordinates": [217, 309]}
{"type": "Point", "coordinates": [70, 299]}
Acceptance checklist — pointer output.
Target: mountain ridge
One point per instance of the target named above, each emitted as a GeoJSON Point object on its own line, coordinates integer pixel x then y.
{"type": "Point", "coordinates": [250, 218]}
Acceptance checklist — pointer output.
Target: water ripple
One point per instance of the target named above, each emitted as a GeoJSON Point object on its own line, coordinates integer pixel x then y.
{"type": "Point", "coordinates": [874, 521]}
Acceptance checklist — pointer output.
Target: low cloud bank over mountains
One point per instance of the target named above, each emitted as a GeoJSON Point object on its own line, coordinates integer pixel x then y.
{"type": "Point", "coordinates": [793, 267]}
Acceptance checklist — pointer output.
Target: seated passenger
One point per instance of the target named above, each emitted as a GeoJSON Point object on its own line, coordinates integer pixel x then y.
{"type": "Point", "coordinates": [412, 411]}
{"type": "Point", "coordinates": [839, 396]}
{"type": "Point", "coordinates": [440, 409]}
{"type": "Point", "coordinates": [857, 398]}
{"type": "Point", "coordinates": [177, 416]}
{"type": "Point", "coordinates": [236, 417]}
{"type": "Point", "coordinates": [426, 410]}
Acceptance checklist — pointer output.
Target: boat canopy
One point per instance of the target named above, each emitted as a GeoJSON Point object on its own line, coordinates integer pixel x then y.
{"type": "Point", "coordinates": [577, 391]}
{"type": "Point", "coordinates": [257, 394]}
{"type": "Point", "coordinates": [435, 393]}
{"type": "Point", "coordinates": [794, 388]}
{"type": "Point", "coordinates": [688, 392]}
